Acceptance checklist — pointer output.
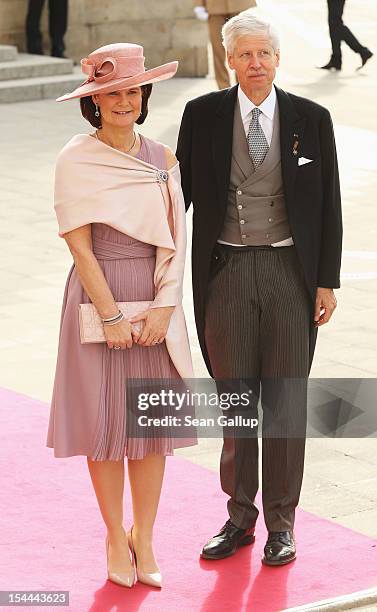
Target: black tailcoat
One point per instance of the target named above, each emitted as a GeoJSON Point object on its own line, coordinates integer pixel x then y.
{"type": "Point", "coordinates": [312, 190]}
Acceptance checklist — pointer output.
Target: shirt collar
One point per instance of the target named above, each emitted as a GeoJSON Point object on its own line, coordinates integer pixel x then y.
{"type": "Point", "coordinates": [267, 106]}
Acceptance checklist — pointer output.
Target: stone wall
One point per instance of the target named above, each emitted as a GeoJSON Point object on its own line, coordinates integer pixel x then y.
{"type": "Point", "coordinates": [166, 28]}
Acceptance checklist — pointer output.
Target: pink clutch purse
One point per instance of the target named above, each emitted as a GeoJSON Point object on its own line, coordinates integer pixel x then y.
{"type": "Point", "coordinates": [91, 326]}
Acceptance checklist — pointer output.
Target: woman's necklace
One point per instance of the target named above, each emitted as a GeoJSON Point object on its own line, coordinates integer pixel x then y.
{"type": "Point", "coordinates": [128, 150]}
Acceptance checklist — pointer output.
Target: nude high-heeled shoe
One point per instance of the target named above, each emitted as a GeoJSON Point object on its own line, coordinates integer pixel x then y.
{"type": "Point", "coordinates": [150, 578]}
{"type": "Point", "coordinates": [126, 579]}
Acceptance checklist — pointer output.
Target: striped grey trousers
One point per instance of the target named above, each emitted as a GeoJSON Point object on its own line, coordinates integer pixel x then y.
{"type": "Point", "coordinates": [257, 321]}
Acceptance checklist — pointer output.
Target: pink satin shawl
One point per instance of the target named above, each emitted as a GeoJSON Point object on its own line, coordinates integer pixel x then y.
{"type": "Point", "coordinates": [95, 183]}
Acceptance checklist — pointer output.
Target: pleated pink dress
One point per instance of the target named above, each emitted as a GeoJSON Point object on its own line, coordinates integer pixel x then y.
{"type": "Point", "coordinates": [88, 414]}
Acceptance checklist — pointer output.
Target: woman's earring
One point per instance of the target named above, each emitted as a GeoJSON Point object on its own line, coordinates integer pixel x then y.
{"type": "Point", "coordinates": [97, 113]}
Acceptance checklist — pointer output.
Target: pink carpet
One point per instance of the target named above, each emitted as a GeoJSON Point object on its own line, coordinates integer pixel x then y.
{"type": "Point", "coordinates": [52, 536]}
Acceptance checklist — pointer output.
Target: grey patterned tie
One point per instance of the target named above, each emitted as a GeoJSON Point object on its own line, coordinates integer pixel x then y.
{"type": "Point", "coordinates": [256, 139]}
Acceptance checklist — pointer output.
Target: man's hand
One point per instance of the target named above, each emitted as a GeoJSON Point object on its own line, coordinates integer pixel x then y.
{"type": "Point", "coordinates": [325, 305]}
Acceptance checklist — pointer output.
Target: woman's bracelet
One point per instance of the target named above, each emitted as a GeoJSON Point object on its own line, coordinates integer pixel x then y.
{"type": "Point", "coordinates": [114, 320]}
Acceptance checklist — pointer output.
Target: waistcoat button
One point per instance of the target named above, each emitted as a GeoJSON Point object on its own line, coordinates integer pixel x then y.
{"type": "Point", "coordinates": [239, 192]}
{"type": "Point", "coordinates": [242, 221]}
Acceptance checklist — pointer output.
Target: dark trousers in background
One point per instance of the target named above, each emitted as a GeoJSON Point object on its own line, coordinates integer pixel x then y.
{"type": "Point", "coordinates": [258, 317]}
{"type": "Point", "coordinates": [58, 17]}
{"type": "Point", "coordinates": [339, 31]}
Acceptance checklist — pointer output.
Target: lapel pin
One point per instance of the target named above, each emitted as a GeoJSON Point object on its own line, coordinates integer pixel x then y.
{"type": "Point", "coordinates": [295, 144]}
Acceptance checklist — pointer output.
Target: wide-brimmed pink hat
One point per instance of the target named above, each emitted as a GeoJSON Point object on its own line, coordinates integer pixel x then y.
{"type": "Point", "coordinates": [118, 66]}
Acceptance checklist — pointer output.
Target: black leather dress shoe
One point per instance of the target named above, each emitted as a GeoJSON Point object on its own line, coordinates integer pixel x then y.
{"type": "Point", "coordinates": [280, 548]}
{"type": "Point", "coordinates": [333, 64]}
{"type": "Point", "coordinates": [35, 50]}
{"type": "Point", "coordinates": [58, 53]}
{"type": "Point", "coordinates": [365, 56]}
{"type": "Point", "coordinates": [226, 542]}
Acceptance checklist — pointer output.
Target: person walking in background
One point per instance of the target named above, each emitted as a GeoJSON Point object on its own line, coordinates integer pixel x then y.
{"type": "Point", "coordinates": [217, 12]}
{"type": "Point", "coordinates": [57, 24]}
{"type": "Point", "coordinates": [339, 32]}
{"type": "Point", "coordinates": [259, 166]}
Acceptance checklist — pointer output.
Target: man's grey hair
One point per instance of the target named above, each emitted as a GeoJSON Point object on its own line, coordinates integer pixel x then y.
{"type": "Point", "coordinates": [246, 24]}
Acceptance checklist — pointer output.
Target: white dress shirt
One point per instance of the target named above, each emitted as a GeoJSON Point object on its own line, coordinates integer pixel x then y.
{"type": "Point", "coordinates": [266, 120]}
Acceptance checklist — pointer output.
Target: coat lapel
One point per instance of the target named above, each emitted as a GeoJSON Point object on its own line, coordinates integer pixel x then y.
{"type": "Point", "coordinates": [292, 128]}
{"type": "Point", "coordinates": [222, 141]}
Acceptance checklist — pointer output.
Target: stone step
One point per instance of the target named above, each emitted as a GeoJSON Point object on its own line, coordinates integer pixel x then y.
{"type": "Point", "coordinates": [8, 53]}
{"type": "Point", "coordinates": [29, 66]}
{"type": "Point", "coordinates": [38, 88]}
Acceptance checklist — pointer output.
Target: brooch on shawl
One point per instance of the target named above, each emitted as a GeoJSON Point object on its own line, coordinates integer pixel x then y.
{"type": "Point", "coordinates": [162, 176]}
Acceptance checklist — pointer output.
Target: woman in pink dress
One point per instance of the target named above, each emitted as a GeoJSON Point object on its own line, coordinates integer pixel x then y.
{"type": "Point", "coordinates": [119, 207]}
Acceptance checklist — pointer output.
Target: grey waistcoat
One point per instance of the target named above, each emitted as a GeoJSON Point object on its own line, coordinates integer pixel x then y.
{"type": "Point", "coordinates": [256, 212]}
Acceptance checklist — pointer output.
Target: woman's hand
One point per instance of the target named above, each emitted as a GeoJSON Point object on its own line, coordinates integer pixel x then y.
{"type": "Point", "coordinates": [120, 334]}
{"type": "Point", "coordinates": [156, 325]}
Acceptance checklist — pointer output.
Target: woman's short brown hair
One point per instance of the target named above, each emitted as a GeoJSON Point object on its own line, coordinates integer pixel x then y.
{"type": "Point", "coordinates": [88, 108]}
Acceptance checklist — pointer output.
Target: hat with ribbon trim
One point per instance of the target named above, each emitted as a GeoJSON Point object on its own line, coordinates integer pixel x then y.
{"type": "Point", "coordinates": [115, 67]}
